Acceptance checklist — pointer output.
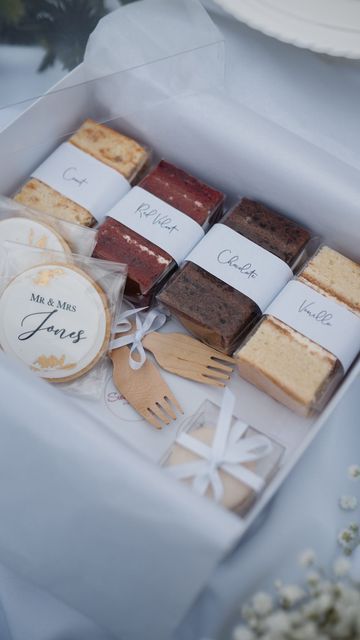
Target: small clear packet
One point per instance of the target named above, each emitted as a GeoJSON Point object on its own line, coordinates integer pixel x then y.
{"type": "Point", "coordinates": [223, 458]}
{"type": "Point", "coordinates": [57, 314]}
{"type": "Point", "coordinates": [76, 238]}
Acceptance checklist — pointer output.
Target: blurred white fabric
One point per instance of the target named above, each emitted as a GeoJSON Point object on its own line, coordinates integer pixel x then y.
{"type": "Point", "coordinates": [315, 99]}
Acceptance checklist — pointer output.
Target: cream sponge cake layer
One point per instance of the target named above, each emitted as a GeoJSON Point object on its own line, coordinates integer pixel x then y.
{"type": "Point", "coordinates": [286, 365]}
{"type": "Point", "coordinates": [335, 275]}
{"type": "Point", "coordinates": [40, 196]}
{"type": "Point", "coordinates": [123, 154]}
{"type": "Point", "coordinates": [110, 147]}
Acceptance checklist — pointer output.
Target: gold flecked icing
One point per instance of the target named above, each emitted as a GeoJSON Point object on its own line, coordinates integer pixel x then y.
{"type": "Point", "coordinates": [42, 242]}
{"type": "Point", "coordinates": [52, 362]}
{"type": "Point", "coordinates": [46, 275]}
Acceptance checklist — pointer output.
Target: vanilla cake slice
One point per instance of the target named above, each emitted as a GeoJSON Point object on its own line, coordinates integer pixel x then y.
{"type": "Point", "coordinates": [110, 147]}
{"type": "Point", "coordinates": [289, 366]}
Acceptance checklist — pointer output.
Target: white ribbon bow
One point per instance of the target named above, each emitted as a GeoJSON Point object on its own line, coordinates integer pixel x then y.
{"type": "Point", "coordinates": [152, 322]}
{"type": "Point", "coordinates": [228, 451]}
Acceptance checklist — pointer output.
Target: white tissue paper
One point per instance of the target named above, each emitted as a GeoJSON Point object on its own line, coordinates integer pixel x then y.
{"type": "Point", "coordinates": [86, 520]}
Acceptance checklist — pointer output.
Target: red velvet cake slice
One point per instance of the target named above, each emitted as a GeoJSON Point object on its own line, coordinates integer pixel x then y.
{"type": "Point", "coordinates": [149, 265]}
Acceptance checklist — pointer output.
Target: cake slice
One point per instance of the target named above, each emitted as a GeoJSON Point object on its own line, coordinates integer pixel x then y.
{"type": "Point", "coordinates": [110, 147]}
{"type": "Point", "coordinates": [334, 275]}
{"type": "Point", "coordinates": [149, 265]}
{"type": "Point", "coordinates": [211, 309]}
{"type": "Point", "coordinates": [289, 366]}
{"type": "Point", "coordinates": [286, 365]}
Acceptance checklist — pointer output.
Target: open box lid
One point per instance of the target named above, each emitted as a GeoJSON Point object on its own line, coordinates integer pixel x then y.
{"type": "Point", "coordinates": [124, 529]}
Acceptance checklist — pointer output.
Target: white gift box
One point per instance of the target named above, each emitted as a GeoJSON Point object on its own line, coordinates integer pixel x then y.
{"type": "Point", "coordinates": [86, 513]}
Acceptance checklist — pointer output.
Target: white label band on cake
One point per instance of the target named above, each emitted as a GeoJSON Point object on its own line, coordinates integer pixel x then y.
{"type": "Point", "coordinates": [83, 179]}
{"type": "Point", "coordinates": [319, 318]}
{"type": "Point", "coordinates": [159, 222]}
{"type": "Point", "coordinates": [242, 264]}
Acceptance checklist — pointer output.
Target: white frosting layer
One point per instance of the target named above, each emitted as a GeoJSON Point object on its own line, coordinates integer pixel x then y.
{"type": "Point", "coordinates": [53, 318]}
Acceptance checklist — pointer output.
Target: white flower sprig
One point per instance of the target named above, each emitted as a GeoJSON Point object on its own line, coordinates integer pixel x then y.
{"type": "Point", "coordinates": [348, 503]}
{"type": "Point", "coordinates": [349, 538]}
{"type": "Point", "coordinates": [325, 608]}
{"type": "Point", "coordinates": [354, 472]}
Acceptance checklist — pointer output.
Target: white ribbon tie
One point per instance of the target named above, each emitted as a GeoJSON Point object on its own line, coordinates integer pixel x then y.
{"type": "Point", "coordinates": [152, 322]}
{"type": "Point", "coordinates": [229, 450]}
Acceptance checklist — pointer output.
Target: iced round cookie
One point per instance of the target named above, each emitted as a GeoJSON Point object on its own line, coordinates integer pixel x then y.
{"type": "Point", "coordinates": [55, 319]}
{"type": "Point", "coordinates": [32, 232]}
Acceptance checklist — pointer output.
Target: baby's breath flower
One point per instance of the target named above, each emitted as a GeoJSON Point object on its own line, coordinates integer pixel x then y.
{"type": "Point", "coordinates": [348, 503]}
{"type": "Point", "coordinates": [262, 603]}
{"type": "Point", "coordinates": [290, 594]}
{"type": "Point", "coordinates": [278, 622]}
{"type": "Point", "coordinates": [306, 631]}
{"type": "Point", "coordinates": [253, 623]}
{"type": "Point", "coordinates": [242, 633]}
{"type": "Point", "coordinates": [354, 471]}
{"type": "Point", "coordinates": [313, 578]}
{"type": "Point", "coordinates": [349, 538]}
{"type": "Point", "coordinates": [247, 611]}
{"type": "Point", "coordinates": [346, 536]}
{"type": "Point", "coordinates": [323, 603]}
{"type": "Point", "coordinates": [307, 558]}
{"type": "Point", "coordinates": [341, 567]}
{"type": "Point", "coordinates": [310, 609]}
{"type": "Point", "coordinates": [347, 551]}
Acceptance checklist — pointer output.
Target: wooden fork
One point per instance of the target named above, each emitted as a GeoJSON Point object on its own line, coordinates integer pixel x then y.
{"type": "Point", "coordinates": [187, 357]}
{"type": "Point", "coordinates": [144, 389]}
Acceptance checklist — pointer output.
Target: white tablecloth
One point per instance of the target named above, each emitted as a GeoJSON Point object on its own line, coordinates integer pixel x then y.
{"type": "Point", "coordinates": [316, 98]}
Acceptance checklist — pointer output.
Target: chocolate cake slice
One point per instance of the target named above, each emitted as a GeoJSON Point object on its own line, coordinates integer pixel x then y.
{"type": "Point", "coordinates": [211, 309]}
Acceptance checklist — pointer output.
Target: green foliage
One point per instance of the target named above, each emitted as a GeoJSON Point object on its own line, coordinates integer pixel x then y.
{"type": "Point", "coordinates": [61, 27]}
{"type": "Point", "coordinates": [11, 10]}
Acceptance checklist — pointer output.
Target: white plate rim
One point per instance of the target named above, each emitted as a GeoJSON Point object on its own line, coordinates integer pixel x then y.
{"type": "Point", "coordinates": [292, 30]}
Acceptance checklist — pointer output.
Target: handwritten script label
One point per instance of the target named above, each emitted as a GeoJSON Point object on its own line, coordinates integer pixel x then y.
{"type": "Point", "coordinates": [70, 174]}
{"type": "Point", "coordinates": [83, 179]}
{"type": "Point", "coordinates": [319, 318]}
{"type": "Point", "coordinates": [226, 257]}
{"type": "Point", "coordinates": [242, 264]}
{"type": "Point", "coordinates": [159, 222]}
